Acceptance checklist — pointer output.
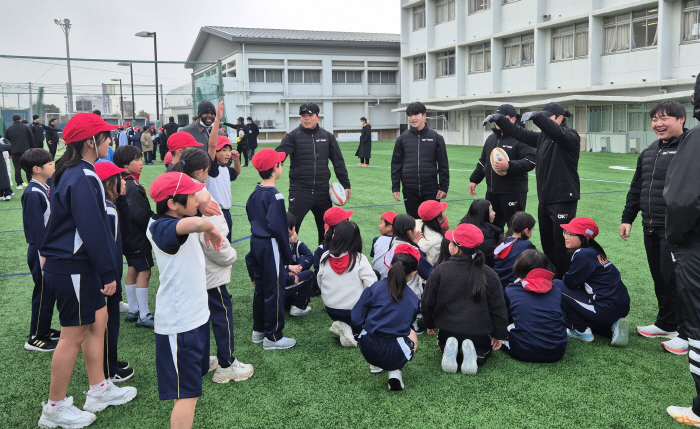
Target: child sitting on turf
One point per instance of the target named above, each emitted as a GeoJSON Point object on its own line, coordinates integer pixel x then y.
{"type": "Point", "coordinates": [119, 222]}
{"type": "Point", "coordinates": [464, 300]}
{"type": "Point", "coordinates": [444, 252]}
{"type": "Point", "coordinates": [538, 329]}
{"type": "Point", "coordinates": [39, 166]}
{"type": "Point", "coordinates": [299, 274]}
{"type": "Point", "coordinates": [594, 297]}
{"type": "Point", "coordinates": [220, 186]}
{"type": "Point", "coordinates": [137, 248]}
{"type": "Point", "coordinates": [482, 215]}
{"type": "Point", "coordinates": [517, 241]}
{"type": "Point", "coordinates": [182, 319]}
{"type": "Point", "coordinates": [384, 313]}
{"type": "Point", "coordinates": [433, 224]}
{"type": "Point", "coordinates": [382, 244]}
{"type": "Point", "coordinates": [343, 274]}
{"type": "Point", "coordinates": [332, 217]}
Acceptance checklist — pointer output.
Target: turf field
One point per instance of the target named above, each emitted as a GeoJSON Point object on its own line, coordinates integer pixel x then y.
{"type": "Point", "coordinates": [320, 384]}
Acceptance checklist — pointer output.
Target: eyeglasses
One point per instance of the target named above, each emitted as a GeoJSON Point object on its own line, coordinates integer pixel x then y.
{"type": "Point", "coordinates": [569, 234]}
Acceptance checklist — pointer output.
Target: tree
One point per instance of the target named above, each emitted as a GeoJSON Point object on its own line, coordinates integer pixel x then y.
{"type": "Point", "coordinates": [142, 113]}
{"type": "Point", "coordinates": [48, 108]}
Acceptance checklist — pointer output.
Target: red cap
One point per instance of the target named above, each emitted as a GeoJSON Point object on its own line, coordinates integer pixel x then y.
{"type": "Point", "coordinates": [407, 249]}
{"type": "Point", "coordinates": [582, 225]}
{"type": "Point", "coordinates": [466, 235]}
{"type": "Point", "coordinates": [168, 158]}
{"type": "Point", "coordinates": [267, 158]}
{"type": "Point", "coordinates": [153, 127]}
{"type": "Point", "coordinates": [223, 130]}
{"type": "Point", "coordinates": [171, 184]}
{"type": "Point", "coordinates": [107, 169]}
{"type": "Point", "coordinates": [389, 216]}
{"type": "Point", "coordinates": [121, 127]}
{"type": "Point", "coordinates": [181, 140]}
{"type": "Point", "coordinates": [83, 126]}
{"type": "Point", "coordinates": [431, 209]}
{"type": "Point", "coordinates": [137, 128]}
{"type": "Point", "coordinates": [334, 215]}
{"type": "Point", "coordinates": [222, 141]}
{"type": "Point", "coordinates": [128, 124]}
{"type": "Point", "coordinates": [160, 128]}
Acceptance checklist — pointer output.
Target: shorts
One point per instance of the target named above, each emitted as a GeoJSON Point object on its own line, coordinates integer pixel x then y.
{"type": "Point", "coordinates": [143, 263]}
{"type": "Point", "coordinates": [78, 296]}
{"type": "Point", "coordinates": [390, 353]}
{"type": "Point", "coordinates": [181, 362]}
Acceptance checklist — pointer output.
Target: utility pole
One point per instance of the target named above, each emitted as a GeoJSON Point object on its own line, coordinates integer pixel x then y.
{"type": "Point", "coordinates": [31, 101]}
{"type": "Point", "coordinates": [65, 26]}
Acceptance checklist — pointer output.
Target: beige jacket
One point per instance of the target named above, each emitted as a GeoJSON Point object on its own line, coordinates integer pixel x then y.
{"type": "Point", "coordinates": [146, 142]}
{"type": "Point", "coordinates": [430, 243]}
{"type": "Point", "coordinates": [218, 264]}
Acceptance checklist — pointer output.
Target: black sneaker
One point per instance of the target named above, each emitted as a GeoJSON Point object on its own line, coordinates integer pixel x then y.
{"type": "Point", "coordinates": [54, 335]}
{"type": "Point", "coordinates": [122, 364]}
{"type": "Point", "coordinates": [122, 374]}
{"type": "Point", "coordinates": [40, 344]}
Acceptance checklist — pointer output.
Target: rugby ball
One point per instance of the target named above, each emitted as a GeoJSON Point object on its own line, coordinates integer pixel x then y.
{"type": "Point", "coordinates": [498, 154]}
{"type": "Point", "coordinates": [337, 193]}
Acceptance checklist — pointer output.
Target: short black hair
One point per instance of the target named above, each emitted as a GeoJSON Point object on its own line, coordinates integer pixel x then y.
{"type": "Point", "coordinates": [162, 206]}
{"type": "Point", "coordinates": [97, 112]}
{"type": "Point", "coordinates": [34, 158]}
{"type": "Point", "coordinates": [529, 260]}
{"type": "Point", "coordinates": [171, 119]}
{"type": "Point", "coordinates": [291, 220]}
{"type": "Point", "coordinates": [123, 155]}
{"type": "Point", "coordinates": [266, 174]}
{"type": "Point", "coordinates": [249, 119]}
{"type": "Point", "coordinates": [673, 109]}
{"type": "Point", "coordinates": [52, 120]}
{"type": "Point", "coordinates": [415, 108]}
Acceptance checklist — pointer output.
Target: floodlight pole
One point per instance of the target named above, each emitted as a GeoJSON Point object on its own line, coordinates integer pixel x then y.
{"type": "Point", "coordinates": [155, 52]}
{"type": "Point", "coordinates": [121, 98]}
{"type": "Point", "coordinates": [65, 26]}
{"type": "Point", "coordinates": [131, 72]}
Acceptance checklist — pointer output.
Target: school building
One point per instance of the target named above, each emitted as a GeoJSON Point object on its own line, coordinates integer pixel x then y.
{"type": "Point", "coordinates": [268, 73]}
{"type": "Point", "coordinates": [607, 61]}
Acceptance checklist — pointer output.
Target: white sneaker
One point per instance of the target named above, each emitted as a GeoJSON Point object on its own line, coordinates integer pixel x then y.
{"type": "Point", "coordinates": [449, 356]}
{"type": "Point", "coordinates": [123, 307]}
{"type": "Point", "coordinates": [395, 381]}
{"type": "Point", "coordinates": [620, 333]}
{"type": "Point", "coordinates": [652, 331]}
{"type": "Point", "coordinates": [347, 339]}
{"type": "Point", "coordinates": [677, 346]}
{"type": "Point", "coordinates": [8, 198]}
{"type": "Point", "coordinates": [2, 198]}
{"type": "Point", "coordinates": [258, 337]}
{"type": "Point", "coordinates": [238, 371]}
{"type": "Point", "coordinates": [20, 187]}
{"type": "Point", "coordinates": [469, 366]}
{"type": "Point", "coordinates": [374, 369]}
{"type": "Point", "coordinates": [296, 312]}
{"type": "Point", "coordinates": [684, 415]}
{"type": "Point", "coordinates": [336, 328]}
{"type": "Point", "coordinates": [213, 363]}
{"type": "Point", "coordinates": [113, 395]}
{"type": "Point", "coordinates": [281, 344]}
{"type": "Point", "coordinates": [65, 415]}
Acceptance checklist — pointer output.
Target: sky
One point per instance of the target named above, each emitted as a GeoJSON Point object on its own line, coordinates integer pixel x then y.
{"type": "Point", "coordinates": [106, 30]}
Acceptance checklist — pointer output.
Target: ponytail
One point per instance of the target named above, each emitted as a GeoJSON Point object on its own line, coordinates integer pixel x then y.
{"type": "Point", "coordinates": [589, 242]}
{"type": "Point", "coordinates": [519, 222]}
{"type": "Point", "coordinates": [402, 225]}
{"type": "Point", "coordinates": [401, 265]}
{"type": "Point", "coordinates": [476, 276]}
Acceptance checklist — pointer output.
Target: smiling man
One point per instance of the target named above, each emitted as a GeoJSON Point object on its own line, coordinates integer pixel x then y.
{"type": "Point", "coordinates": [201, 128]}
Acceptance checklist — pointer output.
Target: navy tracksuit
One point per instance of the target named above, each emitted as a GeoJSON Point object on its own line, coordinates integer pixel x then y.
{"type": "Point", "coordinates": [221, 319]}
{"type": "Point", "coordinates": [269, 247]}
{"type": "Point", "coordinates": [593, 294]}
{"type": "Point", "coordinates": [298, 294]}
{"type": "Point", "coordinates": [36, 210]}
{"type": "Point", "coordinates": [385, 325]}
{"type": "Point", "coordinates": [505, 256]}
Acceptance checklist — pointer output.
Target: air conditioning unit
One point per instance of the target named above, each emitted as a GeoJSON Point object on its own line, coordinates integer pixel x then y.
{"type": "Point", "coordinates": [269, 123]}
{"type": "Point", "coordinates": [604, 144]}
{"type": "Point", "coordinates": [257, 122]}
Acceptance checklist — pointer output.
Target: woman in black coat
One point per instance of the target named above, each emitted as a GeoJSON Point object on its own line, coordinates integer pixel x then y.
{"type": "Point", "coordinates": [364, 151]}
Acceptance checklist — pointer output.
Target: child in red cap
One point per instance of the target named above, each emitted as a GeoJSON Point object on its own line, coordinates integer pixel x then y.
{"type": "Point", "coordinates": [463, 299]}
{"type": "Point", "coordinates": [433, 224]}
{"type": "Point", "coordinates": [384, 313]}
{"type": "Point", "coordinates": [382, 244]}
{"type": "Point", "coordinates": [220, 186]}
{"type": "Point", "coordinates": [594, 296]}
{"type": "Point", "coordinates": [270, 252]}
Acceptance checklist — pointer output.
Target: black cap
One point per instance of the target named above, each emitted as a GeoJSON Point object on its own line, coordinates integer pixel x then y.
{"type": "Point", "coordinates": [240, 119]}
{"type": "Point", "coordinates": [35, 117]}
{"type": "Point", "coordinates": [16, 117]}
{"type": "Point", "coordinates": [309, 108]}
{"type": "Point", "coordinates": [205, 106]}
{"type": "Point", "coordinates": [507, 110]}
{"type": "Point", "coordinates": [555, 109]}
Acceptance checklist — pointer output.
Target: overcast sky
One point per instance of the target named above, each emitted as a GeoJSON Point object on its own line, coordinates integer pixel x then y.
{"type": "Point", "coordinates": [106, 30]}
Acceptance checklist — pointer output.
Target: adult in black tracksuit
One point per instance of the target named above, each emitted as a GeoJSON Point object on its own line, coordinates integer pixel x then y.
{"type": "Point", "coordinates": [682, 197]}
{"type": "Point", "coordinates": [419, 163]}
{"type": "Point", "coordinates": [508, 193]}
{"type": "Point", "coordinates": [242, 133]}
{"type": "Point", "coordinates": [646, 195]}
{"type": "Point", "coordinates": [52, 136]}
{"type": "Point", "coordinates": [309, 147]}
{"type": "Point", "coordinates": [168, 130]}
{"type": "Point", "coordinates": [253, 133]}
{"type": "Point", "coordinates": [38, 131]}
{"type": "Point", "coordinates": [558, 186]}
{"type": "Point", "coordinates": [21, 139]}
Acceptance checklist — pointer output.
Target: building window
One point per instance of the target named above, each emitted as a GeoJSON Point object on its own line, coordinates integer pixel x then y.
{"type": "Point", "coordinates": [446, 63]}
{"type": "Point", "coordinates": [480, 58]}
{"type": "Point", "coordinates": [691, 20]}
{"type": "Point", "coordinates": [476, 117]}
{"type": "Point", "coordinates": [444, 11]}
{"type": "Point", "coordinates": [265, 76]}
{"type": "Point", "coordinates": [304, 76]}
{"type": "Point", "coordinates": [509, 1]}
{"type": "Point", "coordinates": [385, 77]}
{"type": "Point", "coordinates": [479, 5]}
{"type": "Point", "coordinates": [419, 17]}
{"type": "Point", "coordinates": [347, 76]}
{"type": "Point", "coordinates": [633, 30]}
{"type": "Point", "coordinates": [519, 51]}
{"type": "Point", "coordinates": [570, 42]}
{"type": "Point", "coordinates": [419, 68]}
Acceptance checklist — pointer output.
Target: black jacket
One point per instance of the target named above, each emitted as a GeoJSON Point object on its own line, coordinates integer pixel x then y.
{"type": "Point", "coordinates": [419, 158]}
{"type": "Point", "coordinates": [492, 235]}
{"type": "Point", "coordinates": [171, 128]}
{"type": "Point", "coordinates": [38, 131]}
{"type": "Point", "coordinates": [647, 188]}
{"type": "Point", "coordinates": [253, 132]}
{"type": "Point", "coordinates": [309, 152]}
{"type": "Point", "coordinates": [51, 134]}
{"type": "Point", "coordinates": [558, 149]}
{"type": "Point", "coordinates": [682, 193]}
{"type": "Point", "coordinates": [364, 150]}
{"type": "Point", "coordinates": [20, 137]}
{"type": "Point", "coordinates": [135, 242]}
{"type": "Point", "coordinates": [521, 160]}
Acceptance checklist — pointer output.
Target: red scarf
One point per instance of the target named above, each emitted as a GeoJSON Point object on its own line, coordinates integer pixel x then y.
{"type": "Point", "coordinates": [538, 280]}
{"type": "Point", "coordinates": [339, 264]}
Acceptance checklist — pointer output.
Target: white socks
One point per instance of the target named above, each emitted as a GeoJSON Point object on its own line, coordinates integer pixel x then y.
{"type": "Point", "coordinates": [142, 298]}
{"type": "Point", "coordinates": [55, 404]}
{"type": "Point", "coordinates": [131, 298]}
{"type": "Point", "coordinates": [99, 388]}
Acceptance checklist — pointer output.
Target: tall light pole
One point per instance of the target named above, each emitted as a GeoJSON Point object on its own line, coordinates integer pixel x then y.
{"type": "Point", "coordinates": [133, 100]}
{"type": "Point", "coordinates": [121, 97]}
{"type": "Point", "coordinates": [65, 26]}
{"type": "Point", "coordinates": [155, 51]}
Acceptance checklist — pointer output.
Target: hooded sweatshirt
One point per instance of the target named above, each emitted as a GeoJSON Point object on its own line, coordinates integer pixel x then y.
{"type": "Point", "coordinates": [340, 287]}
{"type": "Point", "coordinates": [534, 305]}
{"type": "Point", "coordinates": [505, 256]}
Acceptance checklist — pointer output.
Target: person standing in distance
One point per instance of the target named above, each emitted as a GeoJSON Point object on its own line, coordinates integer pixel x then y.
{"type": "Point", "coordinates": [364, 150]}
{"type": "Point", "coordinates": [38, 131]}
{"type": "Point", "coordinates": [558, 187]}
{"type": "Point", "coordinates": [242, 134]}
{"type": "Point", "coordinates": [253, 132]}
{"type": "Point", "coordinates": [419, 163]}
{"type": "Point", "coordinates": [508, 193]}
{"type": "Point", "coordinates": [52, 136]}
{"type": "Point", "coordinates": [309, 148]}
{"type": "Point", "coordinates": [646, 195]}
{"type": "Point", "coordinates": [21, 139]}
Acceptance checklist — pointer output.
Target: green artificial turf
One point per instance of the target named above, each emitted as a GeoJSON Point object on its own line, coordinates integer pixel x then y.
{"type": "Point", "coordinates": [320, 384]}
